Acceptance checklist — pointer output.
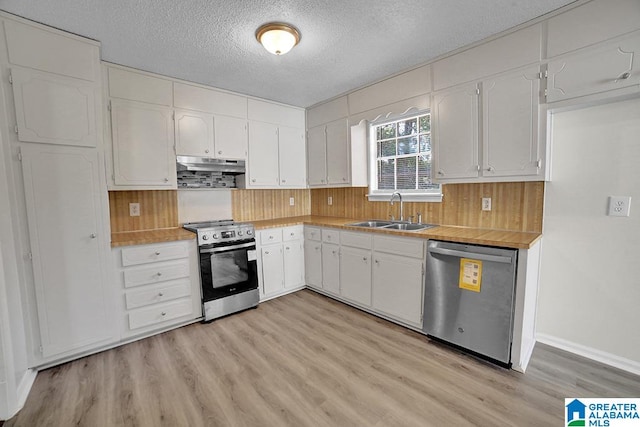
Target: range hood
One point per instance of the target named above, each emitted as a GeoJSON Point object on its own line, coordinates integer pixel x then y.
{"type": "Point", "coordinates": [208, 164]}
{"type": "Point", "coordinates": [206, 172]}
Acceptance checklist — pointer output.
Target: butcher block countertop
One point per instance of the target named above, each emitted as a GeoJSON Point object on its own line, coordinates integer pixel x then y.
{"type": "Point", "coordinates": [150, 236]}
{"type": "Point", "coordinates": [479, 236]}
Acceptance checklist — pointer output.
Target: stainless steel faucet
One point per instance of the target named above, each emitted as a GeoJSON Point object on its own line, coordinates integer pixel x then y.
{"type": "Point", "coordinates": [401, 204]}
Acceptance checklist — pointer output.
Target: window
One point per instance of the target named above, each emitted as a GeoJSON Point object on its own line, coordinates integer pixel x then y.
{"type": "Point", "coordinates": [400, 159]}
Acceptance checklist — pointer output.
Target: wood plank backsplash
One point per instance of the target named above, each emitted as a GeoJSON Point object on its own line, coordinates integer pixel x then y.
{"type": "Point", "coordinates": [158, 209]}
{"type": "Point", "coordinates": [255, 205]}
{"type": "Point", "coordinates": [516, 206]}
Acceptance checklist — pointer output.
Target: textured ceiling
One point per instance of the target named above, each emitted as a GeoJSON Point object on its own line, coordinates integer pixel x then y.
{"type": "Point", "coordinates": [345, 43]}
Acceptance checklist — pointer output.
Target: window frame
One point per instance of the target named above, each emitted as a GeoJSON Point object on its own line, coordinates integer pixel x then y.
{"type": "Point", "coordinates": [375, 194]}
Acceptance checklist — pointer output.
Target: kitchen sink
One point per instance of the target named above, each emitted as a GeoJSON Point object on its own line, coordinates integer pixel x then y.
{"type": "Point", "coordinates": [371, 224]}
{"type": "Point", "coordinates": [407, 227]}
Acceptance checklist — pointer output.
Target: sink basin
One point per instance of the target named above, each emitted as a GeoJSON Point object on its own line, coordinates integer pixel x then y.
{"type": "Point", "coordinates": [370, 224]}
{"type": "Point", "coordinates": [408, 227]}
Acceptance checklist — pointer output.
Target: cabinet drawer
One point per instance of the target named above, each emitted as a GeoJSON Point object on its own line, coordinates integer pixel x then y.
{"type": "Point", "coordinates": [292, 233]}
{"type": "Point", "coordinates": [156, 273]}
{"type": "Point", "coordinates": [271, 235]}
{"type": "Point", "coordinates": [356, 240]}
{"type": "Point", "coordinates": [166, 292]}
{"type": "Point", "coordinates": [160, 313]}
{"type": "Point", "coordinates": [407, 247]}
{"type": "Point", "coordinates": [312, 233]}
{"type": "Point", "coordinates": [331, 236]}
{"type": "Point", "coordinates": [152, 253]}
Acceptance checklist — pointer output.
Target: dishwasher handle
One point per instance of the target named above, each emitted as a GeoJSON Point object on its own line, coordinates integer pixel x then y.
{"type": "Point", "coordinates": [472, 255]}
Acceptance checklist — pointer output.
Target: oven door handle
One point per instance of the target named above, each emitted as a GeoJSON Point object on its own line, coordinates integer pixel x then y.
{"type": "Point", "coordinates": [227, 248]}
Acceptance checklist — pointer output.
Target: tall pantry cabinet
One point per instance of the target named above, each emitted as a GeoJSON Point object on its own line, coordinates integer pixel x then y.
{"type": "Point", "coordinates": [54, 159]}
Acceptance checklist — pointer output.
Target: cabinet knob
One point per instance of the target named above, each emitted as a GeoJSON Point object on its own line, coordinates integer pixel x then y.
{"type": "Point", "coordinates": [158, 274]}
{"type": "Point", "coordinates": [624, 76]}
{"type": "Point", "coordinates": [364, 259]}
{"type": "Point", "coordinates": [322, 181]}
{"type": "Point", "coordinates": [286, 248]}
{"type": "Point", "coordinates": [490, 169]}
{"type": "Point", "coordinates": [377, 262]}
{"type": "Point", "coordinates": [440, 172]}
{"type": "Point", "coordinates": [220, 152]}
{"type": "Point", "coordinates": [160, 294]}
{"type": "Point", "coordinates": [292, 234]}
{"type": "Point", "coordinates": [270, 237]}
{"type": "Point", "coordinates": [284, 180]}
{"type": "Point", "coordinates": [344, 179]}
{"type": "Point", "coordinates": [266, 252]}
{"type": "Point", "coordinates": [206, 151]}
{"type": "Point", "coordinates": [253, 180]}
{"type": "Point", "coordinates": [93, 235]}
{"type": "Point", "coordinates": [157, 253]}
{"type": "Point", "coordinates": [166, 180]}
{"type": "Point", "coordinates": [333, 252]}
{"type": "Point", "coordinates": [164, 313]}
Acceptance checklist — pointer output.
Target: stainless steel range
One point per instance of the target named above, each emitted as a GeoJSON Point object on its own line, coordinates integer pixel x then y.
{"type": "Point", "coordinates": [228, 266]}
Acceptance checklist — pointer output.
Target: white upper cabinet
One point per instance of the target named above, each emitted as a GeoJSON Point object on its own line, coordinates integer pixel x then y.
{"type": "Point", "coordinates": [317, 155]}
{"type": "Point", "coordinates": [291, 158]}
{"type": "Point", "coordinates": [456, 132]}
{"type": "Point", "coordinates": [194, 133]}
{"type": "Point", "coordinates": [143, 149]}
{"type": "Point", "coordinates": [510, 124]}
{"type": "Point", "coordinates": [208, 100]}
{"type": "Point", "coordinates": [338, 152]}
{"type": "Point", "coordinates": [612, 65]}
{"type": "Point", "coordinates": [136, 86]}
{"type": "Point", "coordinates": [231, 137]}
{"type": "Point", "coordinates": [278, 114]}
{"type": "Point", "coordinates": [262, 168]}
{"type": "Point", "coordinates": [54, 109]}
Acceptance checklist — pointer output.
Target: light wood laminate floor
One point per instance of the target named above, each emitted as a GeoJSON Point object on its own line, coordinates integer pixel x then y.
{"type": "Point", "coordinates": [306, 360]}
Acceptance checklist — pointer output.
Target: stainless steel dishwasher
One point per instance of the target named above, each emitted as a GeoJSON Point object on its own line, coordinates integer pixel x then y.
{"type": "Point", "coordinates": [469, 297]}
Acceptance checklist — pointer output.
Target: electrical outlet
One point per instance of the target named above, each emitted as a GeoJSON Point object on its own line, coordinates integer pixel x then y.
{"type": "Point", "coordinates": [330, 200]}
{"type": "Point", "coordinates": [134, 209]}
{"type": "Point", "coordinates": [292, 202]}
{"type": "Point", "coordinates": [619, 206]}
{"type": "Point", "coordinates": [486, 203]}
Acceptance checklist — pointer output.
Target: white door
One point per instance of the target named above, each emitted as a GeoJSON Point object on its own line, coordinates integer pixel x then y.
{"type": "Point", "coordinates": [54, 109]}
{"type": "Point", "coordinates": [292, 157]}
{"type": "Point", "coordinates": [272, 269]}
{"type": "Point", "coordinates": [313, 263]}
{"type": "Point", "coordinates": [456, 133]}
{"type": "Point", "coordinates": [65, 203]}
{"type": "Point", "coordinates": [194, 134]}
{"type": "Point", "coordinates": [355, 275]}
{"type": "Point", "coordinates": [397, 287]}
{"type": "Point", "coordinates": [263, 154]}
{"type": "Point", "coordinates": [231, 138]}
{"type": "Point", "coordinates": [331, 268]}
{"type": "Point", "coordinates": [510, 124]}
{"type": "Point", "coordinates": [317, 156]}
{"type": "Point", "coordinates": [338, 152]}
{"type": "Point", "coordinates": [293, 264]}
{"type": "Point", "coordinates": [143, 152]}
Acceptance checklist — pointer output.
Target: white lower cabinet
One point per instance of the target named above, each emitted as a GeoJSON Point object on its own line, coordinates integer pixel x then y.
{"type": "Point", "coordinates": [159, 285]}
{"type": "Point", "coordinates": [331, 268]}
{"type": "Point", "coordinates": [355, 275]}
{"type": "Point", "coordinates": [313, 257]}
{"type": "Point", "coordinates": [281, 262]}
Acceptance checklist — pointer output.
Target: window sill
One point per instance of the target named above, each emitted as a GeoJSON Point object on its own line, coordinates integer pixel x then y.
{"type": "Point", "coordinates": [406, 197]}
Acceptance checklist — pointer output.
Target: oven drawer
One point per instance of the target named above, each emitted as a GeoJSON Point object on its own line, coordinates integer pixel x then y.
{"type": "Point", "coordinates": [160, 313]}
{"type": "Point", "coordinates": [331, 235]}
{"type": "Point", "coordinates": [294, 232]}
{"type": "Point", "coordinates": [270, 235]}
{"type": "Point", "coordinates": [166, 292]}
{"type": "Point", "coordinates": [153, 253]}
{"type": "Point", "coordinates": [156, 273]}
{"type": "Point", "coordinates": [312, 233]}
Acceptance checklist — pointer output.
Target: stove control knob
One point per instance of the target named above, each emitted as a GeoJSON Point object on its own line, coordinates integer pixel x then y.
{"type": "Point", "coordinates": [239, 232]}
{"type": "Point", "coordinates": [205, 237]}
{"type": "Point", "coordinates": [249, 232]}
{"type": "Point", "coordinates": [215, 236]}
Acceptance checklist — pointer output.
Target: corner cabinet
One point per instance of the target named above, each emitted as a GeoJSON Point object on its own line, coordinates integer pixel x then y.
{"type": "Point", "coordinates": [509, 146]}
{"type": "Point", "coordinates": [143, 145]}
{"type": "Point", "coordinates": [66, 208]}
{"type": "Point", "coordinates": [281, 261]}
{"type": "Point", "coordinates": [329, 154]}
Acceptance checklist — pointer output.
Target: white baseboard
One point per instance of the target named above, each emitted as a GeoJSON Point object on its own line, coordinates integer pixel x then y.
{"type": "Point", "coordinates": [21, 395]}
{"type": "Point", "coordinates": [591, 353]}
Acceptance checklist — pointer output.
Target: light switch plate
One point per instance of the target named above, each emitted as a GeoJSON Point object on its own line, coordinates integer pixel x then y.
{"type": "Point", "coordinates": [619, 206]}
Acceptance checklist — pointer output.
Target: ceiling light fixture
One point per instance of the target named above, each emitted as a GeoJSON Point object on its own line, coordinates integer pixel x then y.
{"type": "Point", "coordinates": [277, 37]}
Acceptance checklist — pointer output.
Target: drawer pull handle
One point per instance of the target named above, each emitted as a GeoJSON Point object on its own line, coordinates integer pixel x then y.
{"type": "Point", "coordinates": [164, 313]}
{"type": "Point", "coordinates": [157, 253]}
{"type": "Point", "coordinates": [160, 294]}
{"type": "Point", "coordinates": [287, 247]}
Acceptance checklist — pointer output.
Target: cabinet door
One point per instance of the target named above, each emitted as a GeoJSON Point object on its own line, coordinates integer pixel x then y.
{"type": "Point", "coordinates": [263, 154]}
{"type": "Point", "coordinates": [272, 269]}
{"type": "Point", "coordinates": [54, 109]}
{"type": "Point", "coordinates": [194, 134]}
{"type": "Point", "coordinates": [143, 153]}
{"type": "Point", "coordinates": [331, 268]}
{"type": "Point", "coordinates": [313, 263]}
{"type": "Point", "coordinates": [456, 133]}
{"type": "Point", "coordinates": [510, 124]}
{"type": "Point", "coordinates": [338, 152]}
{"type": "Point", "coordinates": [231, 138]}
{"type": "Point", "coordinates": [65, 205]}
{"type": "Point", "coordinates": [292, 158]}
{"type": "Point", "coordinates": [397, 287]}
{"type": "Point", "coordinates": [610, 66]}
{"type": "Point", "coordinates": [293, 264]}
{"type": "Point", "coordinates": [317, 156]}
{"type": "Point", "coordinates": [355, 275]}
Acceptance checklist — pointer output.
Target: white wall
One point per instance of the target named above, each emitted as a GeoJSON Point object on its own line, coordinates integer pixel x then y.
{"type": "Point", "coordinates": [590, 271]}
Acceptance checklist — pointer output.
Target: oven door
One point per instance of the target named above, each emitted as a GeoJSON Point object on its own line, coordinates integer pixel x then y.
{"type": "Point", "coordinates": [228, 269]}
